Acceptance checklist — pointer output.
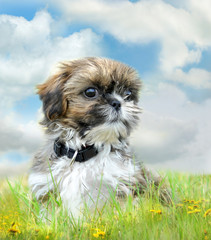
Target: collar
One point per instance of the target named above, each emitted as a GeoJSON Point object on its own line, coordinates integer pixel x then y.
{"type": "Point", "coordinates": [83, 155]}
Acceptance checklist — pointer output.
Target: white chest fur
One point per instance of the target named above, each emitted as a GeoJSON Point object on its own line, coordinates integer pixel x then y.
{"type": "Point", "coordinates": [88, 182]}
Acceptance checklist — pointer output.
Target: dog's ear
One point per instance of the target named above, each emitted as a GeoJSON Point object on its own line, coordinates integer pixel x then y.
{"type": "Point", "coordinates": [52, 94]}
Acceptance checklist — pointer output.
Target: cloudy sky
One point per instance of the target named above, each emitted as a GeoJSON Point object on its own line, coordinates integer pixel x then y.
{"type": "Point", "coordinates": [167, 41]}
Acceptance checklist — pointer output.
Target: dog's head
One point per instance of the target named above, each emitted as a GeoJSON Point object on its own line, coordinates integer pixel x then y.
{"type": "Point", "coordinates": [97, 97]}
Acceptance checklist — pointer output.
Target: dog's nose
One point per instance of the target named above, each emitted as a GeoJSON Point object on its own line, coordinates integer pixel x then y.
{"type": "Point", "coordinates": [116, 104]}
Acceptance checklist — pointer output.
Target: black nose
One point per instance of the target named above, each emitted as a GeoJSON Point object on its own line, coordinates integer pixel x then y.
{"type": "Point", "coordinates": [116, 104]}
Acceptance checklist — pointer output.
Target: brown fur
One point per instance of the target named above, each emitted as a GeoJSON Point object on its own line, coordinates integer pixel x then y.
{"type": "Point", "coordinates": [77, 121]}
{"type": "Point", "coordinates": [61, 93]}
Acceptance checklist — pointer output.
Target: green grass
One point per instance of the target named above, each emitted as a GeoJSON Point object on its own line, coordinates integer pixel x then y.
{"type": "Point", "coordinates": [145, 219]}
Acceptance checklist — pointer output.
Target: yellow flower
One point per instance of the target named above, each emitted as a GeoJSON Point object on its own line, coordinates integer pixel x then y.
{"type": "Point", "coordinates": [190, 207]}
{"type": "Point", "coordinates": [13, 230]}
{"type": "Point", "coordinates": [47, 237]}
{"type": "Point", "coordinates": [156, 211]}
{"type": "Point", "coordinates": [188, 201]}
{"type": "Point", "coordinates": [190, 212]}
{"type": "Point", "coordinates": [96, 235]}
{"type": "Point", "coordinates": [99, 233]}
{"type": "Point", "coordinates": [208, 212]}
{"type": "Point", "coordinates": [152, 210]}
{"type": "Point", "coordinates": [194, 211]}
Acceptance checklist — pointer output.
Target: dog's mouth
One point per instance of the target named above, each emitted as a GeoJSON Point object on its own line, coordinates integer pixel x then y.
{"type": "Point", "coordinates": [110, 115]}
{"type": "Point", "coordinates": [114, 117]}
{"type": "Point", "coordinates": [115, 120]}
{"type": "Point", "coordinates": [113, 126]}
{"type": "Point", "coordinates": [106, 124]}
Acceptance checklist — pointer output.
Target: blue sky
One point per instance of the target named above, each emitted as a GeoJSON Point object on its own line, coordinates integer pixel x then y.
{"type": "Point", "coordinates": [168, 42]}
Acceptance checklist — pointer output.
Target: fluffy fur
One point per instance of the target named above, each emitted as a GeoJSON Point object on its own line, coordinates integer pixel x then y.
{"type": "Point", "coordinates": [78, 120]}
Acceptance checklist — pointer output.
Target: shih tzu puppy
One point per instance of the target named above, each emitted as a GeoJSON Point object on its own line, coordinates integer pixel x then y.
{"type": "Point", "coordinates": [90, 108]}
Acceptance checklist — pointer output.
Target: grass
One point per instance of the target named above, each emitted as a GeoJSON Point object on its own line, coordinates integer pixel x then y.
{"type": "Point", "coordinates": [190, 218]}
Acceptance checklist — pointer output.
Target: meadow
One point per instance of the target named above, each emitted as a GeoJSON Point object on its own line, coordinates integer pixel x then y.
{"type": "Point", "coordinates": [189, 217]}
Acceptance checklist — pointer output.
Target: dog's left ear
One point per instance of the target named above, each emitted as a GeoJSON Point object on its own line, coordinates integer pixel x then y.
{"type": "Point", "coordinates": [52, 94]}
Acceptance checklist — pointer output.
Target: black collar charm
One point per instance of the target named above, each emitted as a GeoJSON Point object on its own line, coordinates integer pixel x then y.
{"type": "Point", "coordinates": [83, 155]}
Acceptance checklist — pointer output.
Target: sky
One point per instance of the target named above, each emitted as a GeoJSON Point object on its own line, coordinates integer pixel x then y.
{"type": "Point", "coordinates": [167, 42]}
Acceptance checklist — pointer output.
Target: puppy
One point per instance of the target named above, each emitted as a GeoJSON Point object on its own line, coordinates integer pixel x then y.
{"type": "Point", "coordinates": [90, 108]}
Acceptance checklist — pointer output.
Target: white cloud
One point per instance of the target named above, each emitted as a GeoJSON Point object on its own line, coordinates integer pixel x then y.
{"type": "Point", "coordinates": [19, 137]}
{"type": "Point", "coordinates": [195, 77]}
{"type": "Point", "coordinates": [163, 138]}
{"type": "Point", "coordinates": [29, 48]}
{"type": "Point", "coordinates": [176, 28]}
{"type": "Point", "coordinates": [174, 132]}
{"type": "Point", "coordinates": [8, 168]}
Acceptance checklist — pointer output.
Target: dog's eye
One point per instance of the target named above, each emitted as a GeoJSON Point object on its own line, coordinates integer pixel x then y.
{"type": "Point", "coordinates": [127, 95]}
{"type": "Point", "coordinates": [91, 93]}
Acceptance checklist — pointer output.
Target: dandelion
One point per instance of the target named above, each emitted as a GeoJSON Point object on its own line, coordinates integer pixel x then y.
{"type": "Point", "coordinates": [96, 235]}
{"type": "Point", "coordinates": [99, 233]}
{"type": "Point", "coordinates": [190, 207]}
{"type": "Point", "coordinates": [188, 201]}
{"type": "Point", "coordinates": [194, 211]}
{"type": "Point", "coordinates": [13, 230]}
{"type": "Point", "coordinates": [208, 212]}
{"type": "Point", "coordinates": [205, 234]}
{"type": "Point", "coordinates": [156, 211]}
{"type": "Point", "coordinates": [47, 237]}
